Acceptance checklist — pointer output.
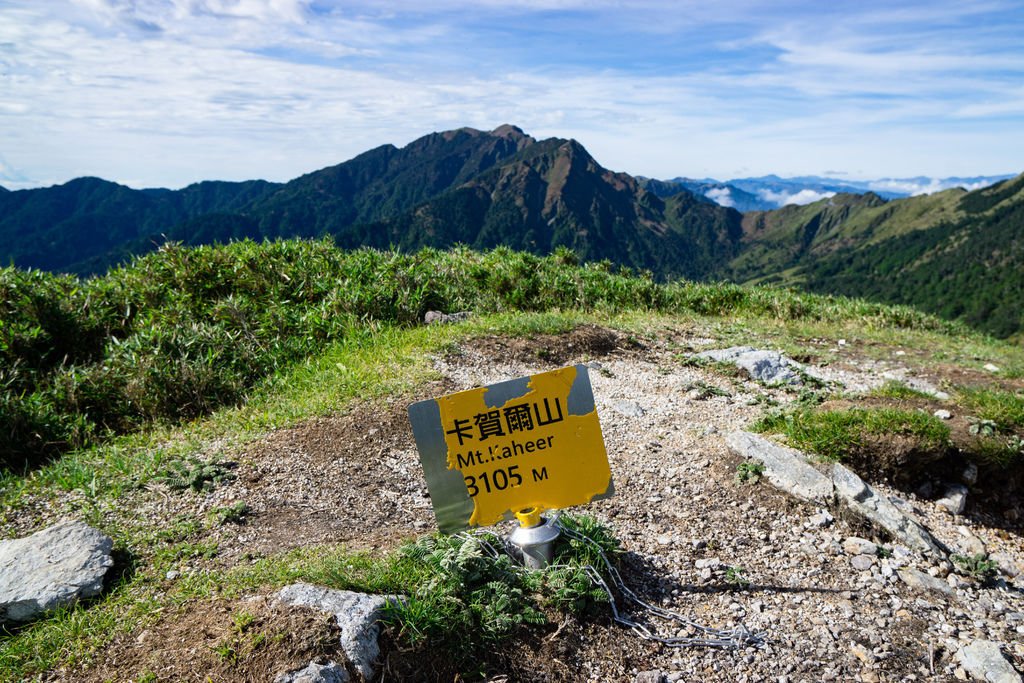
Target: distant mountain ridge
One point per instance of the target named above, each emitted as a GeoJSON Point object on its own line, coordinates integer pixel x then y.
{"type": "Point", "coordinates": [772, 192]}
{"type": "Point", "coordinates": [953, 252]}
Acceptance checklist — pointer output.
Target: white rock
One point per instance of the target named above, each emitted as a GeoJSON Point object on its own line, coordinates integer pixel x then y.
{"type": "Point", "coordinates": [52, 568]}
{"type": "Point", "coordinates": [629, 408]}
{"type": "Point", "coordinates": [991, 368]}
{"type": "Point", "coordinates": [770, 367]}
{"type": "Point", "coordinates": [971, 543]}
{"type": "Point", "coordinates": [984, 662]}
{"type": "Point", "coordinates": [943, 414]}
{"type": "Point", "coordinates": [789, 470]}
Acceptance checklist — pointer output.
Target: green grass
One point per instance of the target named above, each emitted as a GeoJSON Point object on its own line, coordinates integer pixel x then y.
{"type": "Point", "coordinates": [898, 390]}
{"type": "Point", "coordinates": [181, 332]}
{"type": "Point", "coordinates": [1004, 408]}
{"type": "Point", "coordinates": [836, 434]}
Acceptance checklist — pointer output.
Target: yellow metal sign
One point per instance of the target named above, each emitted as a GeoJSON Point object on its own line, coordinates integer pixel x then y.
{"type": "Point", "coordinates": [532, 442]}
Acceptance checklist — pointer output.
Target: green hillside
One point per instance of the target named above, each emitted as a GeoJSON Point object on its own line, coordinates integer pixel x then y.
{"type": "Point", "coordinates": [182, 331]}
{"type": "Point", "coordinates": [955, 254]}
{"type": "Point", "coordinates": [969, 268]}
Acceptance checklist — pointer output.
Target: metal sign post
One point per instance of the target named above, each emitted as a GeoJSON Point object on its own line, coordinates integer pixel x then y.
{"type": "Point", "coordinates": [528, 444]}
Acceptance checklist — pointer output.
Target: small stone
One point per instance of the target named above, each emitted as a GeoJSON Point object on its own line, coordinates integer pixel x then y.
{"type": "Point", "coordinates": [921, 581]}
{"type": "Point", "coordinates": [820, 520]}
{"type": "Point", "coordinates": [955, 499]}
{"type": "Point", "coordinates": [331, 672]}
{"type": "Point", "coordinates": [859, 546]}
{"type": "Point", "coordinates": [664, 540]}
{"type": "Point", "coordinates": [862, 562]}
{"type": "Point", "coordinates": [172, 575]}
{"type": "Point", "coordinates": [943, 414]}
{"type": "Point", "coordinates": [990, 367]}
{"type": "Point", "coordinates": [628, 408]}
{"type": "Point", "coordinates": [956, 581]}
{"type": "Point", "coordinates": [655, 676]}
{"type": "Point", "coordinates": [970, 474]}
{"type": "Point", "coordinates": [708, 563]}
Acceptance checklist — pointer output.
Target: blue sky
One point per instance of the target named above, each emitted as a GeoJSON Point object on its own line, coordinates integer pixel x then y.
{"type": "Point", "coordinates": [168, 92]}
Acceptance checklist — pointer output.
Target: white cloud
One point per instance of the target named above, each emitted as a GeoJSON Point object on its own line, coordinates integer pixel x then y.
{"type": "Point", "coordinates": [721, 196]}
{"type": "Point", "coordinates": [916, 186]}
{"type": "Point", "coordinates": [166, 92]}
{"type": "Point", "coordinates": [800, 198]}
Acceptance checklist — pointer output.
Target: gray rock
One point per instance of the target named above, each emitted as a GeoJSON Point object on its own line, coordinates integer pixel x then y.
{"type": "Point", "coordinates": [925, 582]}
{"type": "Point", "coordinates": [439, 318]}
{"type": "Point", "coordinates": [971, 543]}
{"type": "Point", "coordinates": [862, 563]}
{"type": "Point", "coordinates": [331, 672]}
{"type": "Point", "coordinates": [1008, 564]}
{"type": "Point", "coordinates": [820, 520]}
{"type": "Point", "coordinates": [789, 469]}
{"type": "Point", "coordinates": [785, 468]}
{"type": "Point", "coordinates": [629, 408]}
{"type": "Point", "coordinates": [865, 501]}
{"type": "Point", "coordinates": [984, 662]}
{"type": "Point", "coordinates": [52, 568]}
{"type": "Point", "coordinates": [970, 474]}
{"type": "Point", "coordinates": [649, 677]}
{"type": "Point", "coordinates": [955, 499]}
{"type": "Point", "coordinates": [357, 615]}
{"type": "Point", "coordinates": [943, 414]}
{"type": "Point", "coordinates": [770, 367]}
{"type": "Point", "coordinates": [859, 546]}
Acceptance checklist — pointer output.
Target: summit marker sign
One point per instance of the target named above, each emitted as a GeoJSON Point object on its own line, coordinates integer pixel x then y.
{"type": "Point", "coordinates": [532, 442]}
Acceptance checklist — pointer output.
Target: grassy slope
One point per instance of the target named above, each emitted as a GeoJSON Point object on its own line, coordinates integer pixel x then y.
{"type": "Point", "coordinates": [383, 355]}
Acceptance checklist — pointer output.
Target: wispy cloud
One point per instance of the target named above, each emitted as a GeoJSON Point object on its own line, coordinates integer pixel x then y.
{"type": "Point", "coordinates": [164, 92]}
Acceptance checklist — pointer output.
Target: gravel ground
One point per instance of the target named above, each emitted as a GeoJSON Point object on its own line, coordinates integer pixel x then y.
{"type": "Point", "coordinates": [697, 541]}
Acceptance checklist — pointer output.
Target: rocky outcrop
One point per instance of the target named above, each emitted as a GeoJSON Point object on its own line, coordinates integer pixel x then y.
{"type": "Point", "coordinates": [52, 568]}
{"type": "Point", "coordinates": [356, 614]}
{"type": "Point", "coordinates": [827, 483]}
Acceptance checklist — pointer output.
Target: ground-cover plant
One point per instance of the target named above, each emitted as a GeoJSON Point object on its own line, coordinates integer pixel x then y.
{"type": "Point", "coordinates": [978, 567]}
{"type": "Point", "coordinates": [839, 434]}
{"type": "Point", "coordinates": [474, 595]}
{"type": "Point", "coordinates": [749, 471]}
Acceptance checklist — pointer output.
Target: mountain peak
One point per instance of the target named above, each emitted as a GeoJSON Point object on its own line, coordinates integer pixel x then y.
{"type": "Point", "coordinates": [507, 130]}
